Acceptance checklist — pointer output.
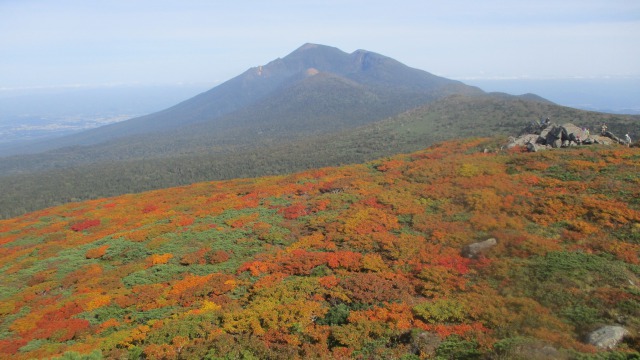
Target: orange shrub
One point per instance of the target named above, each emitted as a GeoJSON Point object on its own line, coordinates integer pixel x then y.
{"type": "Point", "coordinates": [96, 253]}
{"type": "Point", "coordinates": [157, 259]}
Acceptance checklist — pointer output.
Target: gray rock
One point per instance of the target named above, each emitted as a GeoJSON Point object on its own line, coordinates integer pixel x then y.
{"type": "Point", "coordinates": [597, 139]}
{"type": "Point", "coordinates": [575, 130]}
{"type": "Point", "coordinates": [522, 140]}
{"type": "Point", "coordinates": [607, 337]}
{"type": "Point", "coordinates": [556, 136]}
{"type": "Point", "coordinates": [472, 251]}
{"type": "Point", "coordinates": [426, 343]}
{"type": "Point", "coordinates": [611, 136]}
{"type": "Point", "coordinates": [545, 132]}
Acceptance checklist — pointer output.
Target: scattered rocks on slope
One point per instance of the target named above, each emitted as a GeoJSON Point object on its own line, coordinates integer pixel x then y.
{"type": "Point", "coordinates": [607, 337]}
{"type": "Point", "coordinates": [540, 136]}
{"type": "Point", "coordinates": [472, 251]}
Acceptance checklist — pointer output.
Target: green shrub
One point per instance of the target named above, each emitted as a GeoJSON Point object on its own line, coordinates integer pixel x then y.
{"type": "Point", "coordinates": [72, 355]}
{"type": "Point", "coordinates": [582, 317]}
{"type": "Point", "coordinates": [456, 348]}
{"type": "Point", "coordinates": [337, 315]}
{"type": "Point", "coordinates": [440, 311]}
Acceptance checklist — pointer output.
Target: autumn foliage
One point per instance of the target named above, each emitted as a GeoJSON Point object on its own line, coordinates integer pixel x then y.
{"type": "Point", "coordinates": [361, 261]}
{"type": "Point", "coordinates": [84, 225]}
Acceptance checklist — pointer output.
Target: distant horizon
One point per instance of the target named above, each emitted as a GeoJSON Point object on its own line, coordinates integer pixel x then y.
{"type": "Point", "coordinates": [57, 103]}
{"type": "Point", "coordinates": [608, 94]}
{"type": "Point", "coordinates": [218, 82]}
{"type": "Point", "coordinates": [622, 95]}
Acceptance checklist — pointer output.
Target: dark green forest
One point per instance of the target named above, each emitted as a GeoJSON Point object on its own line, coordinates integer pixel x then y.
{"type": "Point", "coordinates": [59, 181]}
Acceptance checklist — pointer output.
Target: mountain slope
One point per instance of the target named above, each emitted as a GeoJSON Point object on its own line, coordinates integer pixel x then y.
{"type": "Point", "coordinates": [449, 118]}
{"type": "Point", "coordinates": [368, 72]}
{"type": "Point", "coordinates": [358, 261]}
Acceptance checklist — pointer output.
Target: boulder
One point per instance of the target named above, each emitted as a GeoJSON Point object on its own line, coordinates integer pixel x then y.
{"type": "Point", "coordinates": [544, 133]}
{"type": "Point", "coordinates": [565, 135]}
{"type": "Point", "coordinates": [575, 130]}
{"type": "Point", "coordinates": [538, 136]}
{"type": "Point", "coordinates": [426, 343]}
{"type": "Point", "coordinates": [611, 136]}
{"type": "Point", "coordinates": [556, 136]}
{"type": "Point", "coordinates": [574, 138]}
{"type": "Point", "coordinates": [597, 139]}
{"type": "Point", "coordinates": [522, 140]}
{"type": "Point", "coordinates": [472, 251]}
{"type": "Point", "coordinates": [607, 337]}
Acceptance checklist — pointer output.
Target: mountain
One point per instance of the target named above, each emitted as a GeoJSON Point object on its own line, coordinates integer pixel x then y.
{"type": "Point", "coordinates": [360, 261]}
{"type": "Point", "coordinates": [319, 78]}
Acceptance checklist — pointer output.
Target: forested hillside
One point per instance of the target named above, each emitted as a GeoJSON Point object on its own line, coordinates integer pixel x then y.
{"type": "Point", "coordinates": [454, 117]}
{"type": "Point", "coordinates": [361, 261]}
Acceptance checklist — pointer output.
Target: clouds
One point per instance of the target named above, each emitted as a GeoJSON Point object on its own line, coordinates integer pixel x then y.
{"type": "Point", "coordinates": [73, 41]}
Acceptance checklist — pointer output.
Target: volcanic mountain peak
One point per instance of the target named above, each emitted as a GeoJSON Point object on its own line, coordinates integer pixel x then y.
{"type": "Point", "coordinates": [308, 46]}
{"type": "Point", "coordinates": [399, 87]}
{"type": "Point", "coordinates": [315, 49]}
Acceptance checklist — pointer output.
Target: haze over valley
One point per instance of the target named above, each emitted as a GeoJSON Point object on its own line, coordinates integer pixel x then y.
{"type": "Point", "coordinates": [38, 113]}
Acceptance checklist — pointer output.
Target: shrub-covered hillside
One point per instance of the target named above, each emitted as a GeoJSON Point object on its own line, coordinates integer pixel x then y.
{"type": "Point", "coordinates": [353, 262]}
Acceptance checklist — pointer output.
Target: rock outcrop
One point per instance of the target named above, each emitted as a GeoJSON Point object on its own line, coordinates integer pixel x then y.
{"type": "Point", "coordinates": [540, 136]}
{"type": "Point", "coordinates": [607, 337]}
{"type": "Point", "coordinates": [472, 251]}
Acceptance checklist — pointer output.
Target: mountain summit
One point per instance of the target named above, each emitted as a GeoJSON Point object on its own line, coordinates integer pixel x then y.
{"type": "Point", "coordinates": [339, 89]}
{"type": "Point", "coordinates": [363, 66]}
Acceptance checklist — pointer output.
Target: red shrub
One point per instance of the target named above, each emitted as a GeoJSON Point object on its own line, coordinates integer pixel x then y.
{"type": "Point", "coordinates": [84, 225]}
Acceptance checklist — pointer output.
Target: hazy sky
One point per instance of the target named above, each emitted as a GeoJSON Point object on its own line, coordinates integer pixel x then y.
{"type": "Point", "coordinates": [66, 42]}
